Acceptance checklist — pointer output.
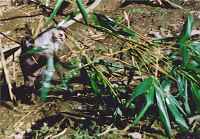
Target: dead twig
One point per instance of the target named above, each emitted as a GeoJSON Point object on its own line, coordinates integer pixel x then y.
{"type": "Point", "coordinates": [59, 134]}
{"type": "Point", "coordinates": [6, 74]}
{"type": "Point", "coordinates": [174, 5]}
{"type": "Point", "coordinates": [109, 129]}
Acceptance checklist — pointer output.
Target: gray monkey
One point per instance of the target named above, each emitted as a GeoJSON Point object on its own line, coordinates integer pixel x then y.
{"type": "Point", "coordinates": [35, 66]}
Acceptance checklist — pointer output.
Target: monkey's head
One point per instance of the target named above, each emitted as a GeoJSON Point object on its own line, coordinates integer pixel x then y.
{"type": "Point", "coordinates": [58, 36]}
{"type": "Point", "coordinates": [51, 41]}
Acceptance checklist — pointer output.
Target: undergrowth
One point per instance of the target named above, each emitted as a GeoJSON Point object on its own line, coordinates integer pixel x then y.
{"type": "Point", "coordinates": [138, 75]}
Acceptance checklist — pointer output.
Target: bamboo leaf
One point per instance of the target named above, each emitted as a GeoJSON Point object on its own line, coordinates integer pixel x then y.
{"type": "Point", "coordinates": [149, 101]}
{"type": "Point", "coordinates": [34, 50]}
{"type": "Point", "coordinates": [82, 10]}
{"type": "Point", "coordinates": [185, 54]}
{"type": "Point", "coordinates": [55, 10]}
{"type": "Point", "coordinates": [195, 47]}
{"type": "Point", "coordinates": [177, 104]}
{"type": "Point", "coordinates": [46, 81]}
{"type": "Point", "coordinates": [184, 37]}
{"type": "Point", "coordinates": [183, 92]}
{"type": "Point", "coordinates": [166, 86]}
{"type": "Point", "coordinates": [112, 25]}
{"type": "Point", "coordinates": [142, 88]}
{"type": "Point", "coordinates": [196, 94]}
{"type": "Point", "coordinates": [186, 31]}
{"type": "Point", "coordinates": [172, 105]}
{"type": "Point", "coordinates": [94, 86]}
{"type": "Point", "coordinates": [163, 109]}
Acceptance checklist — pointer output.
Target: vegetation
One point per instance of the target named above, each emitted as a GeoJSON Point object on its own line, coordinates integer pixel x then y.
{"type": "Point", "coordinates": [140, 81]}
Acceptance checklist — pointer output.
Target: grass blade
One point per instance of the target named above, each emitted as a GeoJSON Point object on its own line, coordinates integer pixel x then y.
{"type": "Point", "coordinates": [82, 10]}
{"type": "Point", "coordinates": [55, 10]}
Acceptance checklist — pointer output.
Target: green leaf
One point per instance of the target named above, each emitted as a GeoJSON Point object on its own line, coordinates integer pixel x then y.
{"type": "Point", "coordinates": [172, 105]}
{"type": "Point", "coordinates": [184, 37]}
{"type": "Point", "coordinates": [195, 47]}
{"type": "Point", "coordinates": [194, 66]}
{"type": "Point", "coordinates": [163, 109]}
{"type": "Point", "coordinates": [142, 88]}
{"type": "Point", "coordinates": [94, 86]}
{"type": "Point", "coordinates": [55, 10]}
{"type": "Point", "coordinates": [127, 32]}
{"type": "Point", "coordinates": [149, 101]}
{"type": "Point", "coordinates": [69, 76]}
{"type": "Point", "coordinates": [147, 88]}
{"type": "Point", "coordinates": [46, 81]}
{"type": "Point", "coordinates": [112, 25]}
{"type": "Point", "coordinates": [166, 85]}
{"type": "Point", "coordinates": [44, 92]}
{"type": "Point", "coordinates": [104, 21]}
{"type": "Point", "coordinates": [181, 85]}
{"type": "Point", "coordinates": [118, 112]}
{"type": "Point", "coordinates": [176, 103]}
{"type": "Point", "coordinates": [183, 92]}
{"type": "Point", "coordinates": [82, 10]}
{"type": "Point", "coordinates": [34, 50]}
{"type": "Point", "coordinates": [196, 94]}
{"type": "Point", "coordinates": [186, 56]}
{"type": "Point", "coordinates": [186, 31]}
{"type": "Point", "coordinates": [103, 79]}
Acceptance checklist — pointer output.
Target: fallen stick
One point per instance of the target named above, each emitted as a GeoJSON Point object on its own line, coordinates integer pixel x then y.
{"type": "Point", "coordinates": [6, 74]}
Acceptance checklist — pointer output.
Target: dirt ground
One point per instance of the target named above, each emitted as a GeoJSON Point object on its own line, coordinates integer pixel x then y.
{"type": "Point", "coordinates": [75, 110]}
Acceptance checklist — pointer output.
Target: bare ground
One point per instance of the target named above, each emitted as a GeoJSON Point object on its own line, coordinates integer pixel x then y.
{"type": "Point", "coordinates": [14, 120]}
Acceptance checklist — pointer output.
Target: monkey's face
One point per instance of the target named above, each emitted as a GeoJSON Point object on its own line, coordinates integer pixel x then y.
{"type": "Point", "coordinates": [51, 40]}
{"type": "Point", "coordinates": [58, 36]}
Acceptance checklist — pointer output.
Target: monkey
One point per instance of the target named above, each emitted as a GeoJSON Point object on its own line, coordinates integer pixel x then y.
{"type": "Point", "coordinates": [34, 65]}
{"type": "Point", "coordinates": [50, 41]}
